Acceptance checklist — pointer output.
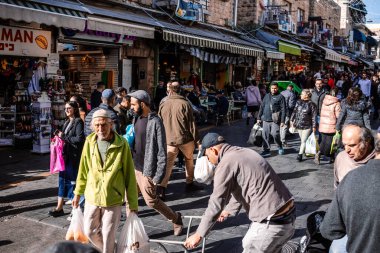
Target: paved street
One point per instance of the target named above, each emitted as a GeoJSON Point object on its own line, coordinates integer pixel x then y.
{"type": "Point", "coordinates": [24, 204]}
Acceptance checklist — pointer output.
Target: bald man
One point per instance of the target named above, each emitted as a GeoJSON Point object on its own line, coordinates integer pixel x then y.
{"type": "Point", "coordinates": [358, 145]}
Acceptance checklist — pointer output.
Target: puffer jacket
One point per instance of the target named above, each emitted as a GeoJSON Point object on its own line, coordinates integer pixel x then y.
{"type": "Point", "coordinates": [304, 115]}
{"type": "Point", "coordinates": [356, 113]}
{"type": "Point", "coordinates": [329, 114]}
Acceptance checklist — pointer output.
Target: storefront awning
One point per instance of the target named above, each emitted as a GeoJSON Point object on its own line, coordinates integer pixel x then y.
{"type": "Point", "coordinates": [289, 48]}
{"type": "Point", "coordinates": [192, 40]}
{"type": "Point", "coordinates": [200, 41]}
{"type": "Point", "coordinates": [330, 54]}
{"type": "Point", "coordinates": [275, 55]}
{"type": "Point", "coordinates": [367, 62]}
{"type": "Point", "coordinates": [372, 42]}
{"type": "Point", "coordinates": [246, 50]}
{"type": "Point", "coordinates": [120, 27]}
{"type": "Point", "coordinates": [359, 36]}
{"type": "Point", "coordinates": [44, 13]}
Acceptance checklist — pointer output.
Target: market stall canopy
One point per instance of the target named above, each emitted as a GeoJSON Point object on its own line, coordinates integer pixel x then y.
{"type": "Point", "coordinates": [289, 48]}
{"type": "Point", "coordinates": [271, 51]}
{"type": "Point", "coordinates": [330, 54]}
{"type": "Point", "coordinates": [359, 36]}
{"type": "Point", "coordinates": [367, 62]}
{"type": "Point", "coordinates": [49, 12]}
{"type": "Point", "coordinates": [372, 42]}
{"type": "Point", "coordinates": [209, 38]}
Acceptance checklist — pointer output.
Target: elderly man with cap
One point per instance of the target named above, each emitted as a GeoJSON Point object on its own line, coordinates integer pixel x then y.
{"type": "Point", "coordinates": [242, 178]}
{"type": "Point", "coordinates": [149, 156]}
{"type": "Point", "coordinates": [108, 101]}
{"type": "Point", "coordinates": [106, 177]}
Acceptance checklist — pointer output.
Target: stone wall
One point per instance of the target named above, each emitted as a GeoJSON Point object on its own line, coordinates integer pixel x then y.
{"type": "Point", "coordinates": [221, 12]}
{"type": "Point", "coordinates": [247, 14]}
{"type": "Point", "coordinates": [292, 6]}
{"type": "Point", "coordinates": [329, 11]}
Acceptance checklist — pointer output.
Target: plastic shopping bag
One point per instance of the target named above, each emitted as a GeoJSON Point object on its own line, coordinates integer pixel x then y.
{"type": "Point", "coordinates": [312, 146]}
{"type": "Point", "coordinates": [335, 143]}
{"type": "Point", "coordinates": [130, 134]}
{"type": "Point", "coordinates": [203, 171]}
{"type": "Point", "coordinates": [57, 163]}
{"type": "Point", "coordinates": [76, 231]}
{"type": "Point", "coordinates": [255, 137]}
{"type": "Point", "coordinates": [133, 238]}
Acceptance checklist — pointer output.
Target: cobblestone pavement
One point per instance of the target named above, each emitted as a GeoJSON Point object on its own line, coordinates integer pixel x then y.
{"type": "Point", "coordinates": [24, 205]}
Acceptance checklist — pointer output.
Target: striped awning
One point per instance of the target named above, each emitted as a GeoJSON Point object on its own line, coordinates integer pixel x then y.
{"type": "Point", "coordinates": [48, 14]}
{"type": "Point", "coordinates": [198, 41]}
{"type": "Point", "coordinates": [189, 39]}
{"type": "Point", "coordinates": [246, 50]}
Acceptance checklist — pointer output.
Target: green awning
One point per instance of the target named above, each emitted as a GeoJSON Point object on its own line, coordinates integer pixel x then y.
{"type": "Point", "coordinates": [289, 48]}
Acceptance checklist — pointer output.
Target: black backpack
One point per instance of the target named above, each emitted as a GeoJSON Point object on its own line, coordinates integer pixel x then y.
{"type": "Point", "coordinates": [313, 241]}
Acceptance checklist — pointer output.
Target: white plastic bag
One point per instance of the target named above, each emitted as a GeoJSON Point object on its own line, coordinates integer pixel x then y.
{"type": "Point", "coordinates": [312, 146]}
{"type": "Point", "coordinates": [133, 238]}
{"type": "Point", "coordinates": [203, 172]}
{"type": "Point", "coordinates": [76, 228]}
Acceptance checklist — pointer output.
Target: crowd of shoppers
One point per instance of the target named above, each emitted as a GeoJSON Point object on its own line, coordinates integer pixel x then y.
{"type": "Point", "coordinates": [106, 171]}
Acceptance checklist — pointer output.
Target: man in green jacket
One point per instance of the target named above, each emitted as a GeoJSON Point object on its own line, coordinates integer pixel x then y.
{"type": "Point", "coordinates": [106, 176]}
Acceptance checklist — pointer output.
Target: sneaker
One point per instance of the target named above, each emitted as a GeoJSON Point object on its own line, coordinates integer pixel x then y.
{"type": "Point", "coordinates": [193, 187]}
{"type": "Point", "coordinates": [317, 158]}
{"type": "Point", "coordinates": [178, 225]}
{"type": "Point", "coordinates": [281, 151]}
{"type": "Point", "coordinates": [265, 153]}
{"type": "Point", "coordinates": [69, 202]}
{"type": "Point", "coordinates": [299, 157]}
{"type": "Point", "coordinates": [56, 213]}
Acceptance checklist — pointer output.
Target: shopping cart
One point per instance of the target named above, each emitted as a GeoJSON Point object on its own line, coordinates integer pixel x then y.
{"type": "Point", "coordinates": [162, 242]}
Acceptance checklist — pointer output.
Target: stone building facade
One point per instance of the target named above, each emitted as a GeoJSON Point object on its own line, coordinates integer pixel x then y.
{"type": "Point", "coordinates": [298, 10]}
{"type": "Point", "coordinates": [329, 11]}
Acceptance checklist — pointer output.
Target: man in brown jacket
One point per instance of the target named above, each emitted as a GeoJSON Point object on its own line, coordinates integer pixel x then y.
{"type": "Point", "coordinates": [181, 134]}
{"type": "Point", "coordinates": [243, 178]}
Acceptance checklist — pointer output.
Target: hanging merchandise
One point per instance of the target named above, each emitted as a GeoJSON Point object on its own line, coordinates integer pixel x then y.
{"type": "Point", "coordinates": [41, 123]}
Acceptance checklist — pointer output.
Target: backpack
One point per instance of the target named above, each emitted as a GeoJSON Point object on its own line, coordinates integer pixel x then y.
{"type": "Point", "coordinates": [313, 241]}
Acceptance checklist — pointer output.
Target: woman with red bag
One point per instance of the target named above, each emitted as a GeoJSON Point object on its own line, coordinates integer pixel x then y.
{"type": "Point", "coordinates": [73, 135]}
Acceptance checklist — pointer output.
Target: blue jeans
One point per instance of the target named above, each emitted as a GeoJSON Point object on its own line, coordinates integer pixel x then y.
{"type": "Point", "coordinates": [65, 187]}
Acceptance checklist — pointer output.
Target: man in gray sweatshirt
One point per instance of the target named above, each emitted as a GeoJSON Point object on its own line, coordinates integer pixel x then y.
{"type": "Point", "coordinates": [242, 178]}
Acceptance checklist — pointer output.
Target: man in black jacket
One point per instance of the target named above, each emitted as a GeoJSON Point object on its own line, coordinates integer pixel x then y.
{"type": "Point", "coordinates": [354, 210]}
{"type": "Point", "coordinates": [149, 156]}
{"type": "Point", "coordinates": [272, 113]}
{"type": "Point", "coordinates": [317, 95]}
{"type": "Point", "coordinates": [108, 101]}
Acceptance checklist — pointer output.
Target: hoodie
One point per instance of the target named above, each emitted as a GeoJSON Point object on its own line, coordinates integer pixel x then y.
{"type": "Point", "coordinates": [253, 96]}
{"type": "Point", "coordinates": [329, 114]}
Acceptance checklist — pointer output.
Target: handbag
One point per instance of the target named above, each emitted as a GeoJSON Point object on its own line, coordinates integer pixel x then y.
{"type": "Point", "coordinates": [130, 134]}
{"type": "Point", "coordinates": [57, 162]}
{"type": "Point", "coordinates": [275, 115]}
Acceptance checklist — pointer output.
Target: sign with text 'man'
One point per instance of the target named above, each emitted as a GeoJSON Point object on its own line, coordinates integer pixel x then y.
{"type": "Point", "coordinates": [24, 42]}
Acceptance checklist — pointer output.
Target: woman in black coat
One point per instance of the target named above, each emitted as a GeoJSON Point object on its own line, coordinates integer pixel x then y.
{"type": "Point", "coordinates": [73, 135]}
{"type": "Point", "coordinates": [303, 119]}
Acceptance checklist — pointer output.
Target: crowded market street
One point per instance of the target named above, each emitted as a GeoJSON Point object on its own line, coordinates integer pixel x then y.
{"type": "Point", "coordinates": [28, 192]}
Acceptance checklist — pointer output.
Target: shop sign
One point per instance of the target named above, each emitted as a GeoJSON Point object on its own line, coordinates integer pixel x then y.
{"type": "Point", "coordinates": [24, 42]}
{"type": "Point", "coordinates": [95, 35]}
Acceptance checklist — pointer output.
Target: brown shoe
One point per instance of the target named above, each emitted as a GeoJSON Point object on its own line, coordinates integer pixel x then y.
{"type": "Point", "coordinates": [178, 225]}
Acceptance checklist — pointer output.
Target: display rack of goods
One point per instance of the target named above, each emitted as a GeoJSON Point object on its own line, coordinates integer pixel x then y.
{"type": "Point", "coordinates": [58, 110]}
{"type": "Point", "coordinates": [7, 125]}
{"type": "Point", "coordinates": [41, 125]}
